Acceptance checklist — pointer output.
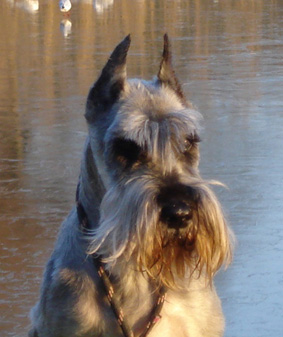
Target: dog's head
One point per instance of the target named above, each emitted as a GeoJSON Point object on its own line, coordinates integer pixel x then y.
{"type": "Point", "coordinates": [157, 212]}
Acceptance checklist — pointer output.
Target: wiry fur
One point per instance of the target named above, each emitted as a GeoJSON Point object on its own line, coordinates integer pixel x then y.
{"type": "Point", "coordinates": [141, 156]}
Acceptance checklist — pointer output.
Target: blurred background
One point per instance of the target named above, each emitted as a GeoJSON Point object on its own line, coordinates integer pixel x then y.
{"type": "Point", "coordinates": [227, 54]}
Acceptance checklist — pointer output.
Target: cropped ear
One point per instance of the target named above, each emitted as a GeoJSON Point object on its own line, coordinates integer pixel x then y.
{"type": "Point", "coordinates": [107, 89]}
{"type": "Point", "coordinates": [166, 74]}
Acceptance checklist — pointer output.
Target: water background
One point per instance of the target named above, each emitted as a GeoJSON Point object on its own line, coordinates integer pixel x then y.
{"type": "Point", "coordinates": [228, 55]}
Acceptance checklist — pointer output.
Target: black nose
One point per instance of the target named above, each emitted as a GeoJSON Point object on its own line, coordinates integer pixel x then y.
{"type": "Point", "coordinates": [176, 215]}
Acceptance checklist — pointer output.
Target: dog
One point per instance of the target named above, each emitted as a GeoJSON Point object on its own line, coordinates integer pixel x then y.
{"type": "Point", "coordinates": [138, 253]}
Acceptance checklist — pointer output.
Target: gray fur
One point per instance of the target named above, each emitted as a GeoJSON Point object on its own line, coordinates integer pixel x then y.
{"type": "Point", "coordinates": [140, 155]}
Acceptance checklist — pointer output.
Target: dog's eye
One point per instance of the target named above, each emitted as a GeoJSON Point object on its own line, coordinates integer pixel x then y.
{"type": "Point", "coordinates": [126, 151]}
{"type": "Point", "coordinates": [190, 141]}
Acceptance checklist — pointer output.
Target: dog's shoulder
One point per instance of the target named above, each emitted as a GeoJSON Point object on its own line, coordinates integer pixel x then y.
{"type": "Point", "coordinates": [68, 292]}
{"type": "Point", "coordinates": [69, 257]}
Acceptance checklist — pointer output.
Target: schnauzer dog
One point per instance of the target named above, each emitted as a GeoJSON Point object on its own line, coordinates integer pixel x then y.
{"type": "Point", "coordinates": [137, 255]}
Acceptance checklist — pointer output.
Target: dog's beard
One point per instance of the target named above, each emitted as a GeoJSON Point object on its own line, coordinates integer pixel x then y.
{"type": "Point", "coordinates": [130, 230]}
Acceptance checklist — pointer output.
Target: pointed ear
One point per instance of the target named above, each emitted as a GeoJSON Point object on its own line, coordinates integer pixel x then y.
{"type": "Point", "coordinates": [166, 74]}
{"type": "Point", "coordinates": [107, 89]}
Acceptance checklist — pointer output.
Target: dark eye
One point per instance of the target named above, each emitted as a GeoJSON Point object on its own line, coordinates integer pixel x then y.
{"type": "Point", "coordinates": [191, 141]}
{"type": "Point", "coordinates": [126, 151]}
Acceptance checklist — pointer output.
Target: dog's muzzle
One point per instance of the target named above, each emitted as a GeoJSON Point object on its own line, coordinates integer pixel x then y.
{"type": "Point", "coordinates": [176, 214]}
{"type": "Point", "coordinates": [177, 205]}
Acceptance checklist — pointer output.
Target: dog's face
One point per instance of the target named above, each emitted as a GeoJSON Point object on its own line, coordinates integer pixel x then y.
{"type": "Point", "coordinates": [157, 212]}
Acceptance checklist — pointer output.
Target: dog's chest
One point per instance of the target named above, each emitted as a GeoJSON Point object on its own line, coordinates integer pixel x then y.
{"type": "Point", "coordinates": [191, 314]}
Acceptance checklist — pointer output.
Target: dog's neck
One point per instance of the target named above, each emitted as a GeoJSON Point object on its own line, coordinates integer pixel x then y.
{"type": "Point", "coordinates": [145, 303]}
{"type": "Point", "coordinates": [124, 277]}
{"type": "Point", "coordinates": [91, 187]}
